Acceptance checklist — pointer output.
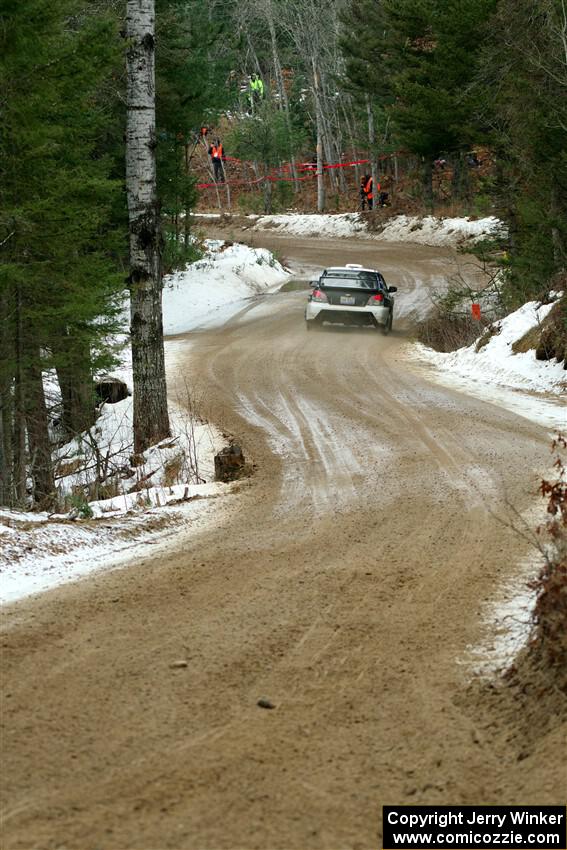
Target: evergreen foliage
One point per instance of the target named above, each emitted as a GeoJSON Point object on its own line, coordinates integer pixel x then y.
{"type": "Point", "coordinates": [60, 276]}
{"type": "Point", "coordinates": [190, 76]}
{"type": "Point", "coordinates": [418, 58]}
{"type": "Point", "coordinates": [525, 78]}
{"type": "Point", "coordinates": [453, 74]}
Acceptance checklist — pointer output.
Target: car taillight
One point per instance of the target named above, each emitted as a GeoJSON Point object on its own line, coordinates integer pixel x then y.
{"type": "Point", "coordinates": [317, 295]}
{"type": "Point", "coordinates": [375, 299]}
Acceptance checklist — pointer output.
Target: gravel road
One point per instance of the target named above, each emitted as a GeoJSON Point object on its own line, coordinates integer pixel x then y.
{"type": "Point", "coordinates": [343, 585]}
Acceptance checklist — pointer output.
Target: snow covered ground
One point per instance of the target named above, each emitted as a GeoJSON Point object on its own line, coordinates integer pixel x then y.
{"type": "Point", "coordinates": [439, 231]}
{"type": "Point", "coordinates": [186, 459]}
{"type": "Point", "coordinates": [40, 552]}
{"type": "Point", "coordinates": [508, 622]}
{"type": "Point", "coordinates": [535, 389]}
{"type": "Point", "coordinates": [142, 501]}
{"type": "Point", "coordinates": [172, 489]}
{"type": "Point", "coordinates": [216, 287]}
{"type": "Point", "coordinates": [402, 228]}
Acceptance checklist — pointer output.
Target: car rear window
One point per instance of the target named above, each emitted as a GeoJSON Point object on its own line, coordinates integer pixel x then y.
{"type": "Point", "coordinates": [352, 280]}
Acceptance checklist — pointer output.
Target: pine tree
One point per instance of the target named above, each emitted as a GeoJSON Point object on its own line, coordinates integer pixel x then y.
{"type": "Point", "coordinates": [192, 65]}
{"type": "Point", "coordinates": [524, 75]}
{"type": "Point", "coordinates": [59, 280]}
{"type": "Point", "coordinates": [419, 59]}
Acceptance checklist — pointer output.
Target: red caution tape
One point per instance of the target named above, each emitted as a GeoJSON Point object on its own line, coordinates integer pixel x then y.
{"type": "Point", "coordinates": [271, 178]}
{"type": "Point", "coordinates": [275, 176]}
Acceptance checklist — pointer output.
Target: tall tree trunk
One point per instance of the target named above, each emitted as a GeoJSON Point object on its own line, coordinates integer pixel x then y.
{"type": "Point", "coordinates": [557, 215]}
{"type": "Point", "coordinates": [267, 191]}
{"type": "Point", "coordinates": [326, 115]}
{"type": "Point", "coordinates": [329, 152]}
{"type": "Point", "coordinates": [427, 173]}
{"type": "Point", "coordinates": [74, 375]}
{"type": "Point", "coordinates": [19, 444]}
{"type": "Point", "coordinates": [6, 446]}
{"type": "Point", "coordinates": [372, 146]}
{"type": "Point", "coordinates": [187, 210]}
{"type": "Point", "coordinates": [319, 118]}
{"type": "Point", "coordinates": [461, 182]}
{"type": "Point", "coordinates": [276, 59]}
{"type": "Point", "coordinates": [354, 152]}
{"type": "Point", "coordinates": [227, 187]}
{"type": "Point", "coordinates": [151, 421]}
{"type": "Point", "coordinates": [284, 103]}
{"type": "Point", "coordinates": [41, 467]}
{"type": "Point", "coordinates": [7, 363]}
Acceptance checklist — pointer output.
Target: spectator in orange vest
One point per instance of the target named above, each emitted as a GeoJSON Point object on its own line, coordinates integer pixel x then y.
{"type": "Point", "coordinates": [217, 155]}
{"type": "Point", "coordinates": [366, 192]}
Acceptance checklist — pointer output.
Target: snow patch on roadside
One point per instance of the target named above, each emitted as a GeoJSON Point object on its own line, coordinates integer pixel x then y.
{"type": "Point", "coordinates": [296, 224]}
{"type": "Point", "coordinates": [508, 620]}
{"type": "Point", "coordinates": [212, 289]}
{"type": "Point", "coordinates": [162, 495]}
{"type": "Point", "coordinates": [508, 617]}
{"type": "Point", "coordinates": [402, 228]}
{"type": "Point", "coordinates": [439, 231]}
{"type": "Point", "coordinates": [57, 552]}
{"type": "Point", "coordinates": [497, 363]}
{"type": "Point", "coordinates": [535, 389]}
{"type": "Point", "coordinates": [105, 451]}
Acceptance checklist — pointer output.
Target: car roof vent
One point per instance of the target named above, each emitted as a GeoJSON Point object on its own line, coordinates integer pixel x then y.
{"type": "Point", "coordinates": [353, 266]}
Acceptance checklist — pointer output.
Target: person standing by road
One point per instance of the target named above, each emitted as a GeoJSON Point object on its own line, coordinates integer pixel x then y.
{"type": "Point", "coordinates": [256, 90]}
{"type": "Point", "coordinates": [217, 155]}
{"type": "Point", "coordinates": [366, 192]}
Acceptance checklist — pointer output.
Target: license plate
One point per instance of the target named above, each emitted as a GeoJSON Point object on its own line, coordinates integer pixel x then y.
{"type": "Point", "coordinates": [347, 299]}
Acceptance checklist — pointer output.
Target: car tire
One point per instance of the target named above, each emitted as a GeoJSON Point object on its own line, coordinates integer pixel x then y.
{"type": "Point", "coordinates": [388, 326]}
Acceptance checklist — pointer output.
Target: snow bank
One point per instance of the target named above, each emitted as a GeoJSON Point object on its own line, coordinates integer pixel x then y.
{"type": "Point", "coordinates": [497, 363]}
{"type": "Point", "coordinates": [44, 552]}
{"type": "Point", "coordinates": [106, 451]}
{"type": "Point", "coordinates": [39, 551]}
{"type": "Point", "coordinates": [170, 485]}
{"type": "Point", "coordinates": [401, 228]}
{"type": "Point", "coordinates": [343, 225]}
{"type": "Point", "coordinates": [439, 231]}
{"type": "Point", "coordinates": [227, 275]}
{"type": "Point", "coordinates": [531, 388]}
{"type": "Point", "coordinates": [508, 622]}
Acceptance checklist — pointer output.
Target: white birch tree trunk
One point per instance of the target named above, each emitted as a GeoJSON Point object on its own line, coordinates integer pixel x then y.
{"type": "Point", "coordinates": [151, 421]}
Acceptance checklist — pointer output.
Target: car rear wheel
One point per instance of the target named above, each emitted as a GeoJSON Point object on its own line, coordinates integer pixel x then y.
{"type": "Point", "coordinates": [388, 326]}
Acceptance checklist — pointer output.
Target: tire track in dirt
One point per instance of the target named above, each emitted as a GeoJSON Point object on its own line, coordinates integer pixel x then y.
{"type": "Point", "coordinates": [344, 583]}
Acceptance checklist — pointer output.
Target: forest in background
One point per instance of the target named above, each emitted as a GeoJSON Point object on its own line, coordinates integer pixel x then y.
{"type": "Point", "coordinates": [412, 80]}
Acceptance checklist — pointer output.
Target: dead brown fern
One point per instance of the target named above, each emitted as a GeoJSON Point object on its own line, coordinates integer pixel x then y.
{"type": "Point", "coordinates": [550, 613]}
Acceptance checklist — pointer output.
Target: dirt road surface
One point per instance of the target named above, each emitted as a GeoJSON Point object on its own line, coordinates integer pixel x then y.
{"type": "Point", "coordinates": [344, 583]}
